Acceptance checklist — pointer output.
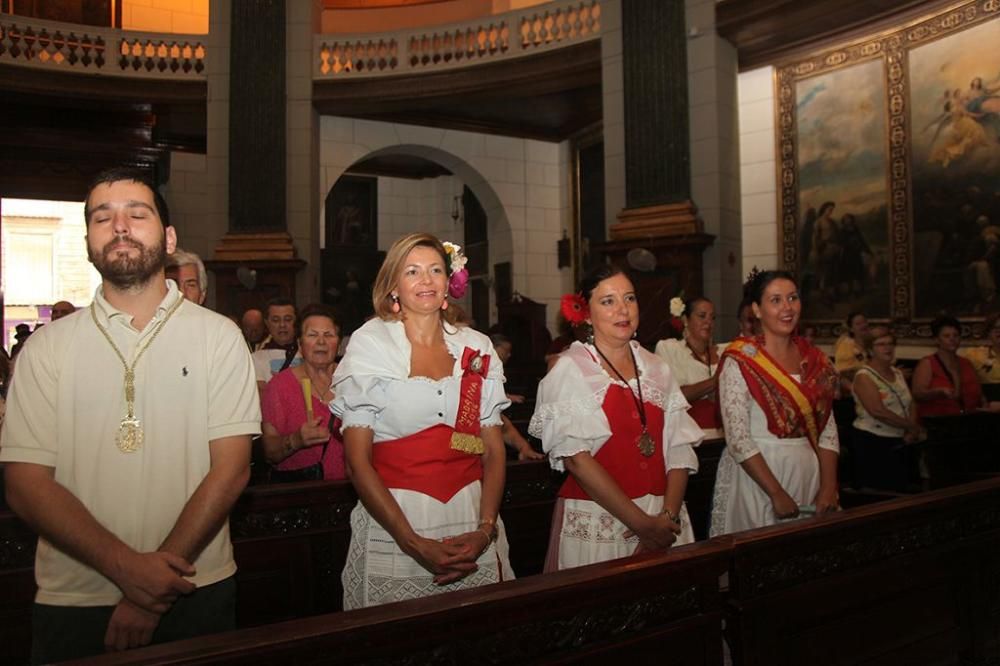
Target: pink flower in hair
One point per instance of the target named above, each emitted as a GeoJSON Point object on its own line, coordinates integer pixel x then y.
{"type": "Point", "coordinates": [458, 283]}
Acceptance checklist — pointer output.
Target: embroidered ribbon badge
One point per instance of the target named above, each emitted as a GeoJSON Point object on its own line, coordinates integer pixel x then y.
{"type": "Point", "coordinates": [466, 436]}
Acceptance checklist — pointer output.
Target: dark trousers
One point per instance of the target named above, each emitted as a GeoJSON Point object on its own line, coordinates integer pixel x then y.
{"type": "Point", "coordinates": [71, 632]}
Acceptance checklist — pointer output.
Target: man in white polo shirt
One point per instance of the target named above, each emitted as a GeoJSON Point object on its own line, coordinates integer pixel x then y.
{"type": "Point", "coordinates": [126, 443]}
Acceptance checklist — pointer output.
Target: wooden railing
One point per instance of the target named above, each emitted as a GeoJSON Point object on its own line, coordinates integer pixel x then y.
{"type": "Point", "coordinates": [88, 49]}
{"type": "Point", "coordinates": [491, 39]}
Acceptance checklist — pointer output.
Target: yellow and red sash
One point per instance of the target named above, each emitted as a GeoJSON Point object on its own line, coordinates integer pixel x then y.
{"type": "Point", "coordinates": [466, 437]}
{"type": "Point", "coordinates": [793, 409]}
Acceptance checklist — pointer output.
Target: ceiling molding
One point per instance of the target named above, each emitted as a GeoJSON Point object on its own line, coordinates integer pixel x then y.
{"type": "Point", "coordinates": [769, 31]}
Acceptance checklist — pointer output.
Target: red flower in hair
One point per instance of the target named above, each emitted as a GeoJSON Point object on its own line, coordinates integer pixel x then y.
{"type": "Point", "coordinates": [677, 324]}
{"type": "Point", "coordinates": [574, 309]}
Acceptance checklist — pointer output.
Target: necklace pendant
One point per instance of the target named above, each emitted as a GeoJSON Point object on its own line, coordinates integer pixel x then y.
{"type": "Point", "coordinates": [646, 444]}
{"type": "Point", "coordinates": [129, 439]}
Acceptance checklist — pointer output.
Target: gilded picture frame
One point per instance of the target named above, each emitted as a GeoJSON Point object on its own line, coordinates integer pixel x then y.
{"type": "Point", "coordinates": [850, 124]}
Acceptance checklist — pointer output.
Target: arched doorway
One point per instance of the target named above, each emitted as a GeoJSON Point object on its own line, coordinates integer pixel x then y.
{"type": "Point", "coordinates": [404, 188]}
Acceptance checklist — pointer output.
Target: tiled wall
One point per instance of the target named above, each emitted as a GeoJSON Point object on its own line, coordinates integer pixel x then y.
{"type": "Point", "coordinates": [757, 169]}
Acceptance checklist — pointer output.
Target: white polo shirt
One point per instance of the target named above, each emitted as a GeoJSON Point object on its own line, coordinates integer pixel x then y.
{"type": "Point", "coordinates": [194, 384]}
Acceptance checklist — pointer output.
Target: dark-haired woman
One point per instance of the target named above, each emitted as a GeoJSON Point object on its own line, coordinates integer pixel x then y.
{"type": "Point", "coordinates": [611, 414]}
{"type": "Point", "coordinates": [420, 398]}
{"type": "Point", "coordinates": [944, 383]}
{"type": "Point", "coordinates": [776, 392]}
{"type": "Point", "coordinates": [693, 360]}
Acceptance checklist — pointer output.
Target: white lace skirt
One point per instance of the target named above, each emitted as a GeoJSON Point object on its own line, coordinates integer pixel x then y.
{"type": "Point", "coordinates": [740, 504]}
{"type": "Point", "coordinates": [378, 572]}
{"type": "Point", "coordinates": [584, 533]}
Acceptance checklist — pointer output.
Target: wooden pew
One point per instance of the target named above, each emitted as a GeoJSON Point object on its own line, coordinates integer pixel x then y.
{"type": "Point", "coordinates": [911, 581]}
{"type": "Point", "coordinates": [290, 541]}
{"type": "Point", "coordinates": [659, 608]}
{"type": "Point", "coordinates": [962, 448]}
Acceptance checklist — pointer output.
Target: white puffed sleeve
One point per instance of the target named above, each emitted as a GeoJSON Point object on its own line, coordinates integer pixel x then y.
{"type": "Point", "coordinates": [735, 400]}
{"type": "Point", "coordinates": [494, 399]}
{"type": "Point", "coordinates": [568, 419]}
{"type": "Point", "coordinates": [361, 380]}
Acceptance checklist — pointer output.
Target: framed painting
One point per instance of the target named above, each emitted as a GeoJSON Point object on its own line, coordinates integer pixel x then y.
{"type": "Point", "coordinates": [889, 172]}
{"type": "Point", "coordinates": [955, 172]}
{"type": "Point", "coordinates": [842, 202]}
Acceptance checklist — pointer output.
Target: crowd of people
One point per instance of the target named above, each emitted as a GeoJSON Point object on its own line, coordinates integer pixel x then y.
{"type": "Point", "coordinates": [129, 428]}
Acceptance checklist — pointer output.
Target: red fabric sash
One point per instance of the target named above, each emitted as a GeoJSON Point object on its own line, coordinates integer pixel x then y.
{"type": "Point", "coordinates": [793, 409]}
{"type": "Point", "coordinates": [466, 437]}
{"type": "Point", "coordinates": [634, 473]}
{"type": "Point", "coordinates": [426, 463]}
{"type": "Point", "coordinates": [706, 413]}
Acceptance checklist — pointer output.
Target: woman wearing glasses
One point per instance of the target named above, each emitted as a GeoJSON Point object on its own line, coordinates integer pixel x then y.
{"type": "Point", "coordinates": [886, 419]}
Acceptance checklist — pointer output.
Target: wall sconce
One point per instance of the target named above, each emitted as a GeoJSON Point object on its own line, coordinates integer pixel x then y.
{"type": "Point", "coordinates": [455, 209]}
{"type": "Point", "coordinates": [562, 251]}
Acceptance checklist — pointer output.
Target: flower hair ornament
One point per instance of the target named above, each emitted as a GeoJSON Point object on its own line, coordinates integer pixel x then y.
{"type": "Point", "coordinates": [677, 306]}
{"type": "Point", "coordinates": [458, 274]}
{"type": "Point", "coordinates": [574, 309]}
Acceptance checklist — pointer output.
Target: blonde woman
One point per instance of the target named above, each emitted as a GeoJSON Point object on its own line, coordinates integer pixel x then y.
{"type": "Point", "coordinates": [420, 399]}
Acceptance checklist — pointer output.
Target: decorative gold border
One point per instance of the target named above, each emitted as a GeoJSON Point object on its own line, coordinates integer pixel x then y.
{"type": "Point", "coordinates": [892, 47]}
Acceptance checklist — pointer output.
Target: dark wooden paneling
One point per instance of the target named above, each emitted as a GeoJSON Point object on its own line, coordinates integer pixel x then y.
{"type": "Point", "coordinates": [765, 31]}
{"type": "Point", "coordinates": [895, 583]}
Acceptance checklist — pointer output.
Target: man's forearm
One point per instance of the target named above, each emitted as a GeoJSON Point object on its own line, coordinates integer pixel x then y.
{"type": "Point", "coordinates": [60, 517]}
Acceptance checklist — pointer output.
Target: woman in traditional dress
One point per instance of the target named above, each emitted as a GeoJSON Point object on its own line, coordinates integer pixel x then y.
{"type": "Point", "coordinates": [299, 441]}
{"type": "Point", "coordinates": [776, 392]}
{"type": "Point", "coordinates": [944, 383]}
{"type": "Point", "coordinates": [886, 419]}
{"type": "Point", "coordinates": [693, 360]}
{"type": "Point", "coordinates": [420, 400]}
{"type": "Point", "coordinates": [611, 414]}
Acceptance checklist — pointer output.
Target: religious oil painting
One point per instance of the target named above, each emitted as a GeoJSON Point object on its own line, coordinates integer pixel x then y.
{"type": "Point", "coordinates": [842, 213]}
{"type": "Point", "coordinates": [955, 171]}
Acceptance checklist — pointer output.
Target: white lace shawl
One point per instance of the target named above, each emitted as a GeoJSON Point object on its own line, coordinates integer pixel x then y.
{"type": "Point", "coordinates": [373, 389]}
{"type": "Point", "coordinates": [568, 417]}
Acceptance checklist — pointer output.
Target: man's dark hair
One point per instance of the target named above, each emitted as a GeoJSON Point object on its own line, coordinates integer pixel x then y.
{"type": "Point", "coordinates": [279, 302]}
{"type": "Point", "coordinates": [131, 174]}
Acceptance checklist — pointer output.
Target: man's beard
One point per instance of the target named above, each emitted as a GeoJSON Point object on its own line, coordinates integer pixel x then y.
{"type": "Point", "coordinates": [125, 272]}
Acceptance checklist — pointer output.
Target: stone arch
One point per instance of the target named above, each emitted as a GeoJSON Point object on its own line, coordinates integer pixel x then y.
{"type": "Point", "coordinates": [499, 230]}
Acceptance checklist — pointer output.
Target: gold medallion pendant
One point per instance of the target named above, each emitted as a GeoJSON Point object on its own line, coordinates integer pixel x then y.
{"type": "Point", "coordinates": [129, 439]}
{"type": "Point", "coordinates": [646, 444]}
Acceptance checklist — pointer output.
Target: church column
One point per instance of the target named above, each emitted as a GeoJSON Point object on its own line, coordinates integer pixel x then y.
{"type": "Point", "coordinates": [256, 259]}
{"type": "Point", "coordinates": [671, 164]}
{"type": "Point", "coordinates": [713, 106]}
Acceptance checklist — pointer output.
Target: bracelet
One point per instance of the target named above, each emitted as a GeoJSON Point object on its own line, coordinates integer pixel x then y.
{"type": "Point", "coordinates": [489, 539]}
{"type": "Point", "coordinates": [676, 518]}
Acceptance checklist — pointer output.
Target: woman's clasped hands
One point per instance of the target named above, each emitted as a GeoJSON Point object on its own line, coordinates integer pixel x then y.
{"type": "Point", "coordinates": [452, 558]}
